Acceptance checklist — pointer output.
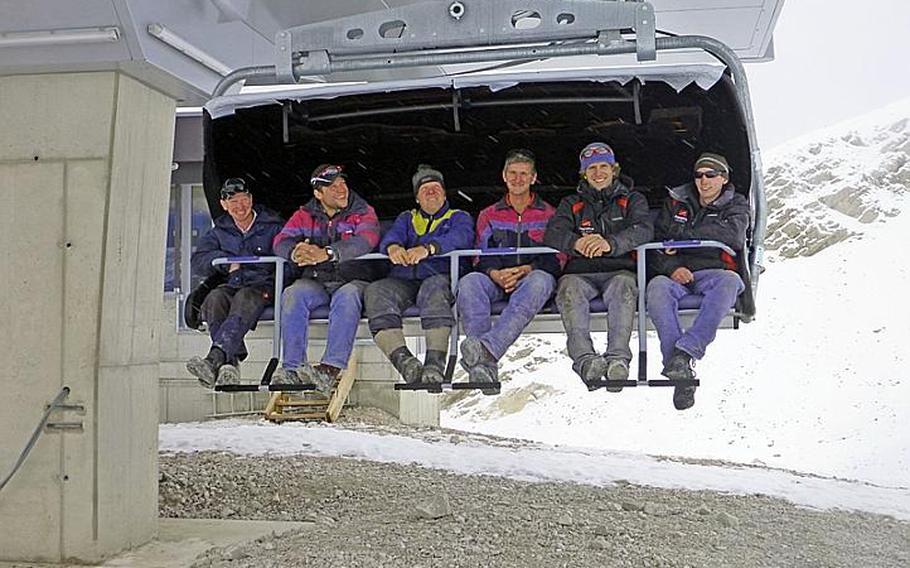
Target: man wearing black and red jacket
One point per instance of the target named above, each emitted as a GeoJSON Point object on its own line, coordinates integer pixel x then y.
{"type": "Point", "coordinates": [599, 228]}
{"type": "Point", "coordinates": [707, 209]}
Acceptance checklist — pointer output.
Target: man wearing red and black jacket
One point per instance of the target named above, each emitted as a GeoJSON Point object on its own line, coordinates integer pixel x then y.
{"type": "Point", "coordinates": [519, 219]}
{"type": "Point", "coordinates": [599, 228]}
{"type": "Point", "coordinates": [708, 209]}
{"type": "Point", "coordinates": [322, 238]}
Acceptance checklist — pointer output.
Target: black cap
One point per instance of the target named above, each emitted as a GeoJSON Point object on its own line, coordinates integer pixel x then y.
{"type": "Point", "coordinates": [325, 174]}
{"type": "Point", "coordinates": [232, 186]}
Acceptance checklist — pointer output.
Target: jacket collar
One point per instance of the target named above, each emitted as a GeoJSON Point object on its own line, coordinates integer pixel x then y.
{"type": "Point", "coordinates": [440, 213]}
{"type": "Point", "coordinates": [619, 187]}
{"type": "Point", "coordinates": [262, 215]}
{"type": "Point", "coordinates": [356, 204]}
{"type": "Point", "coordinates": [688, 194]}
{"type": "Point", "coordinates": [505, 203]}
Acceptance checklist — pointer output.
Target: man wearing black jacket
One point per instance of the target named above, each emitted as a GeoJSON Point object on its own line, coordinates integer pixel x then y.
{"type": "Point", "coordinates": [708, 209]}
{"type": "Point", "coordinates": [233, 308]}
{"type": "Point", "coordinates": [599, 228]}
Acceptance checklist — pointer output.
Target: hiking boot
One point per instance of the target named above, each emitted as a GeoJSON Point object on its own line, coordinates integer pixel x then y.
{"type": "Point", "coordinates": [283, 376]}
{"type": "Point", "coordinates": [321, 375]}
{"type": "Point", "coordinates": [680, 366]}
{"type": "Point", "coordinates": [591, 368]}
{"type": "Point", "coordinates": [407, 365]}
{"type": "Point", "coordinates": [683, 397]}
{"type": "Point", "coordinates": [206, 370]}
{"type": "Point", "coordinates": [228, 374]}
{"type": "Point", "coordinates": [434, 367]}
{"type": "Point", "coordinates": [480, 364]}
{"type": "Point", "coordinates": [474, 352]}
{"type": "Point", "coordinates": [617, 370]}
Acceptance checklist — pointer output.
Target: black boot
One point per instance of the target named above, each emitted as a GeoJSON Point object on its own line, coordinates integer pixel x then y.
{"type": "Point", "coordinates": [206, 370]}
{"type": "Point", "coordinates": [680, 366]}
{"type": "Point", "coordinates": [406, 364]}
{"type": "Point", "coordinates": [434, 367]}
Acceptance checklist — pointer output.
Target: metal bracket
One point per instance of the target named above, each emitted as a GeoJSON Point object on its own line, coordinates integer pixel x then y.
{"type": "Point", "coordinates": [65, 426]}
{"type": "Point", "coordinates": [437, 33]}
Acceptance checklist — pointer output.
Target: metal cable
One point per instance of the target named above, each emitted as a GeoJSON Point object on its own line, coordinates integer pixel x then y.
{"type": "Point", "coordinates": [64, 392]}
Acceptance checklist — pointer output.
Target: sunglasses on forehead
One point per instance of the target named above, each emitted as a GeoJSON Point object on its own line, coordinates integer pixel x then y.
{"type": "Point", "coordinates": [588, 152]}
{"type": "Point", "coordinates": [710, 174]}
{"type": "Point", "coordinates": [326, 175]}
{"type": "Point", "coordinates": [233, 186]}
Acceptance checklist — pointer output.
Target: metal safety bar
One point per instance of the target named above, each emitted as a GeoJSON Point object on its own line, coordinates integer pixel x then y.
{"type": "Point", "coordinates": [279, 286]}
{"type": "Point", "coordinates": [454, 276]}
{"type": "Point", "coordinates": [642, 283]}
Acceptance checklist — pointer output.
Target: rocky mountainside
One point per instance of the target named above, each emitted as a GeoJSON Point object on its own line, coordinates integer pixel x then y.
{"type": "Point", "coordinates": [830, 185]}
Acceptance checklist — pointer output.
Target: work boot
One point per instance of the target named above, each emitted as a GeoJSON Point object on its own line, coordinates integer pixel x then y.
{"type": "Point", "coordinates": [617, 370]}
{"type": "Point", "coordinates": [321, 375]}
{"type": "Point", "coordinates": [206, 370]}
{"type": "Point", "coordinates": [283, 376]}
{"type": "Point", "coordinates": [228, 374]}
{"type": "Point", "coordinates": [680, 366]}
{"type": "Point", "coordinates": [591, 368]}
{"type": "Point", "coordinates": [407, 365]}
{"type": "Point", "coordinates": [434, 367]}
{"type": "Point", "coordinates": [683, 397]}
{"type": "Point", "coordinates": [480, 364]}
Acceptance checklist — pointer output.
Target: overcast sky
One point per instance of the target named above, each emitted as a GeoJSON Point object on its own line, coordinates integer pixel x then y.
{"type": "Point", "coordinates": [834, 60]}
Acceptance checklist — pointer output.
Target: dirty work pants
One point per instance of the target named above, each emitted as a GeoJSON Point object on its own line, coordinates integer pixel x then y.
{"type": "Point", "coordinates": [476, 294]}
{"type": "Point", "coordinates": [718, 288]}
{"type": "Point", "coordinates": [345, 302]}
{"type": "Point", "coordinates": [619, 291]}
{"type": "Point", "coordinates": [230, 313]}
{"type": "Point", "coordinates": [385, 300]}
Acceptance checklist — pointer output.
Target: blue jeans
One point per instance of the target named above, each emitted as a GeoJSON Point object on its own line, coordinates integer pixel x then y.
{"type": "Point", "coordinates": [388, 298]}
{"type": "Point", "coordinates": [345, 302]}
{"type": "Point", "coordinates": [619, 291]}
{"type": "Point", "coordinates": [476, 294]}
{"type": "Point", "coordinates": [718, 288]}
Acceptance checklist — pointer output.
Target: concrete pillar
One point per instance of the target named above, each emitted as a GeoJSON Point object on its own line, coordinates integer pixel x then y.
{"type": "Point", "coordinates": [84, 170]}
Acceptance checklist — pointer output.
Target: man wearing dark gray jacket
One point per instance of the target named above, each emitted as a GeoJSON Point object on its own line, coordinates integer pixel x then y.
{"type": "Point", "coordinates": [599, 228]}
{"type": "Point", "coordinates": [707, 209]}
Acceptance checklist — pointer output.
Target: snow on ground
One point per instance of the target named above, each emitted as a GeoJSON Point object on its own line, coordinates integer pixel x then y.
{"type": "Point", "coordinates": [817, 383]}
{"type": "Point", "coordinates": [529, 462]}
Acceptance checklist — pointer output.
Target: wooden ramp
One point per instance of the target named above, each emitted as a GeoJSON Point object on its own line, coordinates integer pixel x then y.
{"type": "Point", "coordinates": [284, 407]}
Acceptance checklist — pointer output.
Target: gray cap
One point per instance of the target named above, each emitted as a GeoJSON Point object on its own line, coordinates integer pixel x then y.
{"type": "Point", "coordinates": [426, 174]}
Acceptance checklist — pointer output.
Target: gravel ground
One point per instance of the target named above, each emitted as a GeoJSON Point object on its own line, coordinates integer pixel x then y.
{"type": "Point", "coordinates": [367, 514]}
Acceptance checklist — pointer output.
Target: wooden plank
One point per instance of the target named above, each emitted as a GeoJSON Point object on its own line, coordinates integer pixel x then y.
{"type": "Point", "coordinates": [340, 395]}
{"type": "Point", "coordinates": [303, 402]}
{"type": "Point", "coordinates": [273, 402]}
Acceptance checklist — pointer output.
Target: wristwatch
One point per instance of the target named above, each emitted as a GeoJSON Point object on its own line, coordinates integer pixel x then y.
{"type": "Point", "coordinates": [331, 253]}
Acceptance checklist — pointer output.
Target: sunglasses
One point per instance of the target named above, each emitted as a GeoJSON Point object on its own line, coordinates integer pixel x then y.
{"type": "Point", "coordinates": [326, 175]}
{"type": "Point", "coordinates": [588, 152]}
{"type": "Point", "coordinates": [710, 174]}
{"type": "Point", "coordinates": [233, 186]}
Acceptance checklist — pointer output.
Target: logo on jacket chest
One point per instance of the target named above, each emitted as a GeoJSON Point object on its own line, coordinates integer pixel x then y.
{"type": "Point", "coordinates": [681, 215]}
{"type": "Point", "coordinates": [586, 227]}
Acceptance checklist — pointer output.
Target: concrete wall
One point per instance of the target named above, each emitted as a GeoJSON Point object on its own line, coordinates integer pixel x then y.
{"type": "Point", "coordinates": [181, 399]}
{"type": "Point", "coordinates": [84, 169]}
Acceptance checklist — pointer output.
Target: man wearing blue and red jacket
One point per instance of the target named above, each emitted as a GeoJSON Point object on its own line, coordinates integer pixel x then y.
{"type": "Point", "coordinates": [599, 227]}
{"type": "Point", "coordinates": [707, 209]}
{"type": "Point", "coordinates": [413, 243]}
{"type": "Point", "coordinates": [527, 281]}
{"type": "Point", "coordinates": [233, 308]}
{"type": "Point", "coordinates": [322, 238]}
